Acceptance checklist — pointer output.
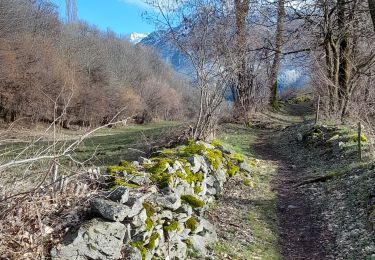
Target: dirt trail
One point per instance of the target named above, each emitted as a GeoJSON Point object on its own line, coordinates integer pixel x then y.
{"type": "Point", "coordinates": [300, 233]}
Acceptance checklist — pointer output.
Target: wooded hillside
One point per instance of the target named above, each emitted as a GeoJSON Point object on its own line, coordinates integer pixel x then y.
{"type": "Point", "coordinates": [49, 69]}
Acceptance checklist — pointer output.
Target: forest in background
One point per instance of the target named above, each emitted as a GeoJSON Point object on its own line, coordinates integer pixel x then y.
{"type": "Point", "coordinates": [79, 74]}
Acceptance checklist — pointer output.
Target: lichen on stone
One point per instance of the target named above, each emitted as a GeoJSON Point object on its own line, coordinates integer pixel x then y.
{"type": "Point", "coordinates": [142, 249]}
{"type": "Point", "coordinates": [231, 168]}
{"type": "Point", "coordinates": [152, 242]}
{"type": "Point", "coordinates": [191, 149]}
{"type": "Point", "coordinates": [149, 224]}
{"type": "Point", "coordinates": [238, 157]}
{"type": "Point", "coordinates": [193, 201]}
{"type": "Point", "coordinates": [215, 158]}
{"type": "Point", "coordinates": [197, 189]}
{"type": "Point", "coordinates": [118, 182]}
{"type": "Point", "coordinates": [150, 210]}
{"type": "Point", "coordinates": [191, 224]}
{"type": "Point", "coordinates": [172, 226]}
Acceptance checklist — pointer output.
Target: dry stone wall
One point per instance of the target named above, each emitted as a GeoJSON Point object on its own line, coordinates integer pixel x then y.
{"type": "Point", "coordinates": [154, 209]}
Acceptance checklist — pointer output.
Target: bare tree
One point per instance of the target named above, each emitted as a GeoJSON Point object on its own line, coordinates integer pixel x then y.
{"type": "Point", "coordinates": [279, 39]}
{"type": "Point", "coordinates": [371, 4]}
{"type": "Point", "coordinates": [199, 30]}
{"type": "Point", "coordinates": [241, 97]}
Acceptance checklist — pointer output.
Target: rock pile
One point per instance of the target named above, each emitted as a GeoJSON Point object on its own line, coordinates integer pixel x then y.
{"type": "Point", "coordinates": [154, 210]}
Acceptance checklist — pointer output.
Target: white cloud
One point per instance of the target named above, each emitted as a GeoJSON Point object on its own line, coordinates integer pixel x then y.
{"type": "Point", "coordinates": [139, 3]}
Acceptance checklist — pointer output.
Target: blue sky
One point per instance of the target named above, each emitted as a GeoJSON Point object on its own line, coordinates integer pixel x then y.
{"type": "Point", "coordinates": [121, 16]}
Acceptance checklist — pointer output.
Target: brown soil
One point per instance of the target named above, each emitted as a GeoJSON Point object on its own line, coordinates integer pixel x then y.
{"type": "Point", "coordinates": [301, 233]}
{"type": "Point", "coordinates": [300, 226]}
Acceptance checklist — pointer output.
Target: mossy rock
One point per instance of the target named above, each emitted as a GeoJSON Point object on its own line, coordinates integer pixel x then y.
{"type": "Point", "coordinates": [150, 210]}
{"type": "Point", "coordinates": [354, 138]}
{"type": "Point", "coordinates": [152, 241]}
{"type": "Point", "coordinates": [197, 189]}
{"type": "Point", "coordinates": [300, 100]}
{"type": "Point", "coordinates": [215, 158]}
{"type": "Point", "coordinates": [249, 183]}
{"type": "Point", "coordinates": [216, 143]}
{"type": "Point", "coordinates": [172, 226]}
{"type": "Point", "coordinates": [231, 168]}
{"type": "Point", "coordinates": [193, 201]}
{"type": "Point", "coordinates": [191, 149]}
{"type": "Point", "coordinates": [149, 224]}
{"type": "Point", "coordinates": [118, 182]}
{"type": "Point", "coordinates": [191, 224]}
{"type": "Point", "coordinates": [161, 165]}
{"type": "Point", "coordinates": [114, 170]}
{"type": "Point", "coordinates": [141, 247]}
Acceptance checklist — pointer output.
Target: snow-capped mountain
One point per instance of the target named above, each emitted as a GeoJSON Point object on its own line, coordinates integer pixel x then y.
{"type": "Point", "coordinates": [136, 37]}
{"type": "Point", "coordinates": [289, 76]}
{"type": "Point", "coordinates": [168, 52]}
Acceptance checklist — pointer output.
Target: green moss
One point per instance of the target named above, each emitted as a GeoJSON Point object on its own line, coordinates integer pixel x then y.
{"type": "Point", "coordinates": [194, 177]}
{"type": "Point", "coordinates": [173, 226]}
{"type": "Point", "coordinates": [124, 166]}
{"type": "Point", "coordinates": [152, 242]}
{"type": "Point", "coordinates": [215, 157]}
{"type": "Point", "coordinates": [197, 189]}
{"type": "Point", "coordinates": [193, 201]}
{"type": "Point", "coordinates": [216, 143]}
{"type": "Point", "coordinates": [168, 152]}
{"type": "Point", "coordinates": [238, 157]}
{"type": "Point", "coordinates": [118, 182]}
{"type": "Point", "coordinates": [163, 180]}
{"type": "Point", "coordinates": [301, 99]}
{"type": "Point", "coordinates": [150, 210]}
{"type": "Point", "coordinates": [231, 168]}
{"type": "Point", "coordinates": [114, 170]}
{"type": "Point", "coordinates": [143, 250]}
{"type": "Point", "coordinates": [191, 149]}
{"type": "Point", "coordinates": [188, 242]}
{"type": "Point", "coordinates": [149, 224]}
{"type": "Point", "coordinates": [249, 183]}
{"type": "Point", "coordinates": [161, 165]}
{"type": "Point", "coordinates": [354, 138]}
{"type": "Point", "coordinates": [191, 224]}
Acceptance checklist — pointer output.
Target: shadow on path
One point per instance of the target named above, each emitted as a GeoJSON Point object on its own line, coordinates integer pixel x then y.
{"type": "Point", "coordinates": [300, 232]}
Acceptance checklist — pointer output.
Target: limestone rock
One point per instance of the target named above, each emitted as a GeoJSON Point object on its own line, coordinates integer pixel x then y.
{"type": "Point", "coordinates": [166, 214]}
{"type": "Point", "coordinates": [135, 203]}
{"type": "Point", "coordinates": [171, 201]}
{"type": "Point", "coordinates": [144, 160]}
{"type": "Point", "coordinates": [198, 163]}
{"type": "Point", "coordinates": [121, 195]}
{"type": "Point", "coordinates": [245, 168]}
{"type": "Point", "coordinates": [176, 248]}
{"type": "Point", "coordinates": [109, 210]}
{"type": "Point", "coordinates": [139, 220]}
{"type": "Point", "coordinates": [95, 239]}
{"type": "Point", "coordinates": [206, 145]}
{"type": "Point", "coordinates": [139, 179]}
{"type": "Point", "coordinates": [132, 253]}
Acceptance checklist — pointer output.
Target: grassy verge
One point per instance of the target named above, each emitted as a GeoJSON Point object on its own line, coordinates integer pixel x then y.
{"type": "Point", "coordinates": [113, 145]}
{"type": "Point", "coordinates": [106, 146]}
{"type": "Point", "coordinates": [260, 215]}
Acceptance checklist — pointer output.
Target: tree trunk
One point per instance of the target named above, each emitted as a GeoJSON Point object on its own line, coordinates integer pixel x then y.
{"type": "Point", "coordinates": [371, 4]}
{"type": "Point", "coordinates": [277, 58]}
{"type": "Point", "coordinates": [241, 97]}
{"type": "Point", "coordinates": [345, 66]}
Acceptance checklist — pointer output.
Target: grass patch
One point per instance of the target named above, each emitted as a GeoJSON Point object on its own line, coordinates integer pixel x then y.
{"type": "Point", "coordinates": [261, 216]}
